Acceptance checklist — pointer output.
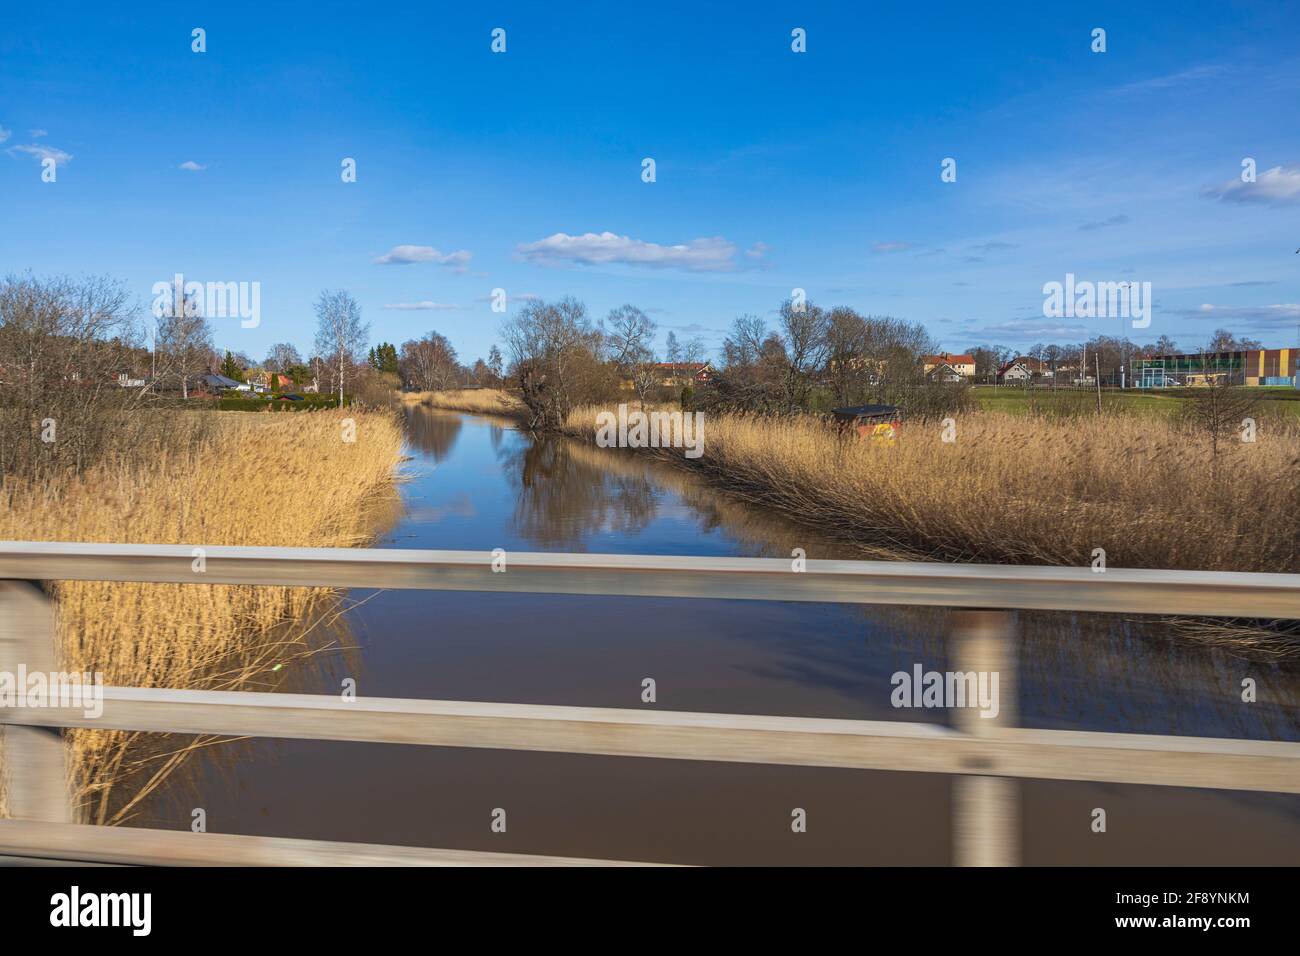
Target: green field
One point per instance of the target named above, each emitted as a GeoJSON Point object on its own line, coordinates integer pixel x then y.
{"type": "Point", "coordinates": [1148, 401]}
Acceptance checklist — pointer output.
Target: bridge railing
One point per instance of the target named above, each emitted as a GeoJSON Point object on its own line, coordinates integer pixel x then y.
{"type": "Point", "coordinates": [985, 756]}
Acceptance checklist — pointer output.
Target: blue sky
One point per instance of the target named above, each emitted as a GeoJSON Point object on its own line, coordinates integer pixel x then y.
{"type": "Point", "coordinates": [775, 169]}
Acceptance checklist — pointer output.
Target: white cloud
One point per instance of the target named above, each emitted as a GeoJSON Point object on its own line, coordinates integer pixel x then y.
{"type": "Point", "coordinates": [422, 306]}
{"type": "Point", "coordinates": [895, 246]}
{"type": "Point", "coordinates": [1280, 315]}
{"type": "Point", "coordinates": [1274, 187]}
{"type": "Point", "coordinates": [5, 134]}
{"type": "Point", "coordinates": [1033, 328]}
{"type": "Point", "coordinates": [522, 297]}
{"type": "Point", "coordinates": [42, 153]}
{"type": "Point", "coordinates": [1116, 220]}
{"type": "Point", "coordinates": [406, 255]}
{"type": "Point", "coordinates": [758, 250]}
{"type": "Point", "coordinates": [191, 166]}
{"type": "Point", "coordinates": [698, 255]}
{"type": "Point", "coordinates": [38, 133]}
{"type": "Point", "coordinates": [1170, 80]}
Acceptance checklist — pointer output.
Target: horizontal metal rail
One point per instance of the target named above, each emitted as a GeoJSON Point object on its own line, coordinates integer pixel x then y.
{"type": "Point", "coordinates": [1210, 762]}
{"type": "Point", "coordinates": [1115, 590]}
{"type": "Point", "coordinates": [983, 756]}
{"type": "Point", "coordinates": [34, 841]}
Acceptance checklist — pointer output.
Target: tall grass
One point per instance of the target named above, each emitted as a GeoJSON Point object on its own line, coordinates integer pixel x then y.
{"type": "Point", "coordinates": [483, 401]}
{"type": "Point", "coordinates": [290, 480]}
{"type": "Point", "coordinates": [1011, 489]}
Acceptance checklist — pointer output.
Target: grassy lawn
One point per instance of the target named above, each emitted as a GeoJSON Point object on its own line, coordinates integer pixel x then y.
{"type": "Point", "coordinates": [1163, 402]}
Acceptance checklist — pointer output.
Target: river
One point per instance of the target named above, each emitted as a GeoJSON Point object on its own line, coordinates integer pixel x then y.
{"type": "Point", "coordinates": [477, 483]}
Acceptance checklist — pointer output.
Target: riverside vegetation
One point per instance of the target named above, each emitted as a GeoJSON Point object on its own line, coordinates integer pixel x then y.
{"type": "Point", "coordinates": [1014, 489]}
{"type": "Point", "coordinates": [207, 478]}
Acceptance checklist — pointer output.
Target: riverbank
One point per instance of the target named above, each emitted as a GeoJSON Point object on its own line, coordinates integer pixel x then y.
{"type": "Point", "coordinates": [295, 480]}
{"type": "Point", "coordinates": [479, 401]}
{"type": "Point", "coordinates": [1007, 489]}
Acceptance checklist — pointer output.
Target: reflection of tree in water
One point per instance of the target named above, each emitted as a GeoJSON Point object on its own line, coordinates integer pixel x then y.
{"type": "Point", "coordinates": [1081, 671]}
{"type": "Point", "coordinates": [564, 497]}
{"type": "Point", "coordinates": [432, 432]}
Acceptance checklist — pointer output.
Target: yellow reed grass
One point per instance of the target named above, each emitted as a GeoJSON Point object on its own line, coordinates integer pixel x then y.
{"type": "Point", "coordinates": [1012, 489]}
{"type": "Point", "coordinates": [289, 480]}
{"type": "Point", "coordinates": [484, 401]}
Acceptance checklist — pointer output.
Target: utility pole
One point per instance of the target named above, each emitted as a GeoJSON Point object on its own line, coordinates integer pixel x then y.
{"type": "Point", "coordinates": [1097, 358]}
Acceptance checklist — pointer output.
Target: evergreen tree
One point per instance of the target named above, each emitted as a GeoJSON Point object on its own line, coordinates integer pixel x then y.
{"type": "Point", "coordinates": [383, 358]}
{"type": "Point", "coordinates": [230, 368]}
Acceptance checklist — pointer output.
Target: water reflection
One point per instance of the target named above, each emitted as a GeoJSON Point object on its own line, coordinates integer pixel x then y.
{"type": "Point", "coordinates": [562, 498]}
{"type": "Point", "coordinates": [433, 434]}
{"type": "Point", "coordinates": [479, 483]}
{"type": "Point", "coordinates": [1079, 671]}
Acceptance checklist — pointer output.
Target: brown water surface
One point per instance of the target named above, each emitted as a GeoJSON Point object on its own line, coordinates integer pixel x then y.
{"type": "Point", "coordinates": [480, 484]}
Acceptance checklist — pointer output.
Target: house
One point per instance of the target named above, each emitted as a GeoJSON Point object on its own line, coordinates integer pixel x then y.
{"type": "Point", "coordinates": [127, 380]}
{"type": "Point", "coordinates": [1013, 371]}
{"type": "Point", "coordinates": [679, 373]}
{"type": "Point", "coordinates": [962, 365]}
{"type": "Point", "coordinates": [270, 381]}
{"type": "Point", "coordinates": [211, 382]}
{"type": "Point", "coordinates": [943, 372]}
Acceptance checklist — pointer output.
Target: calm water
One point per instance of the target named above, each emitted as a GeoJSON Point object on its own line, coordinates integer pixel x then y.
{"type": "Point", "coordinates": [479, 484]}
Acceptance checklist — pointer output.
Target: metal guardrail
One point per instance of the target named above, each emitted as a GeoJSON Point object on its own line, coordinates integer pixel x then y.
{"type": "Point", "coordinates": [984, 755]}
{"type": "Point", "coordinates": [1115, 590]}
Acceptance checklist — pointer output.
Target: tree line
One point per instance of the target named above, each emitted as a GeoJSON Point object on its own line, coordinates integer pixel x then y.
{"type": "Point", "coordinates": [808, 359]}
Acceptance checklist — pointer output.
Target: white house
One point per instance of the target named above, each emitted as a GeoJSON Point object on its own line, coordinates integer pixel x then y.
{"type": "Point", "coordinates": [1013, 372]}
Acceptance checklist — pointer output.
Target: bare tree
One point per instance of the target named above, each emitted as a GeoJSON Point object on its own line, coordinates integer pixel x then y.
{"type": "Point", "coordinates": [1218, 412]}
{"type": "Point", "coordinates": [672, 350]}
{"type": "Point", "coordinates": [805, 328]}
{"type": "Point", "coordinates": [743, 346]}
{"type": "Point", "coordinates": [63, 342]}
{"type": "Point", "coordinates": [340, 334]}
{"type": "Point", "coordinates": [847, 365]}
{"type": "Point", "coordinates": [628, 333]}
{"type": "Point", "coordinates": [183, 346]}
{"type": "Point", "coordinates": [282, 357]}
{"type": "Point", "coordinates": [429, 363]}
{"type": "Point", "coordinates": [557, 359]}
{"type": "Point", "coordinates": [695, 352]}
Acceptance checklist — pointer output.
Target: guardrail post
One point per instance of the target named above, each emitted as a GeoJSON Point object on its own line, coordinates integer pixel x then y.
{"type": "Point", "coordinates": [986, 810]}
{"type": "Point", "coordinates": [34, 758]}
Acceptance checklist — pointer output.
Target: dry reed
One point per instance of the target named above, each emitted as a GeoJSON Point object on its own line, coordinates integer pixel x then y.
{"type": "Point", "coordinates": [483, 401]}
{"type": "Point", "coordinates": [1020, 490]}
{"type": "Point", "coordinates": [287, 480]}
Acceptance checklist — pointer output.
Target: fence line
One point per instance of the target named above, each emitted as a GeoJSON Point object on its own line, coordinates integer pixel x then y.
{"type": "Point", "coordinates": [685, 735]}
{"type": "Point", "coordinates": [1115, 590]}
{"type": "Point", "coordinates": [984, 756]}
